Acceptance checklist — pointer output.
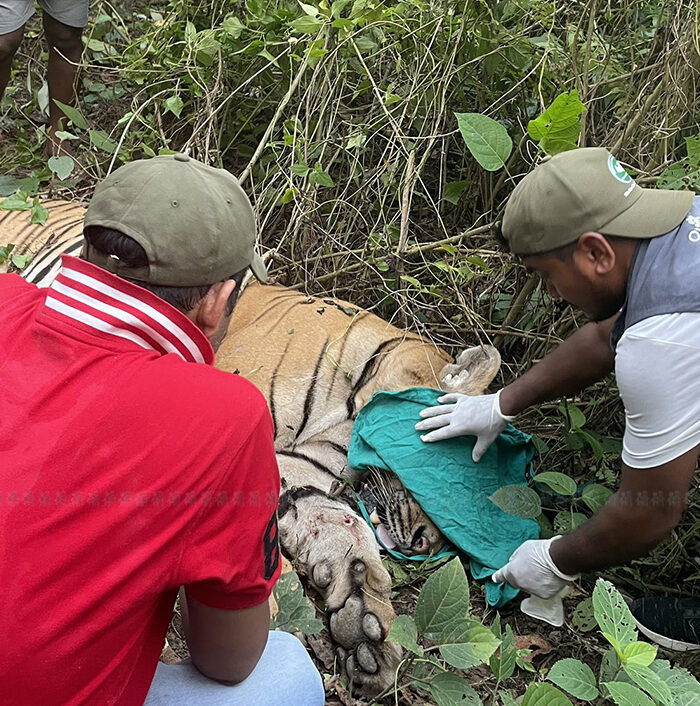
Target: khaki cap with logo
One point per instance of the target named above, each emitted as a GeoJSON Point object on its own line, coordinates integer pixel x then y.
{"type": "Point", "coordinates": [586, 190]}
{"type": "Point", "coordinates": [195, 222]}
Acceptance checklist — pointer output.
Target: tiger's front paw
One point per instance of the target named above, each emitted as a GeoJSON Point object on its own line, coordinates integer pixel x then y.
{"type": "Point", "coordinates": [336, 550]}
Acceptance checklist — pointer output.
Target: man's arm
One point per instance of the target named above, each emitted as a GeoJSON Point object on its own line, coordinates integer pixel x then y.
{"type": "Point", "coordinates": [647, 506]}
{"type": "Point", "coordinates": [225, 645]}
{"type": "Point", "coordinates": [582, 359]}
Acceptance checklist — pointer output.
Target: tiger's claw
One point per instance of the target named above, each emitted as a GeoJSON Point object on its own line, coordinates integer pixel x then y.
{"type": "Point", "coordinates": [336, 550]}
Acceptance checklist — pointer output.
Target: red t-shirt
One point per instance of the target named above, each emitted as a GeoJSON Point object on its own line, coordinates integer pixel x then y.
{"type": "Point", "coordinates": [128, 467]}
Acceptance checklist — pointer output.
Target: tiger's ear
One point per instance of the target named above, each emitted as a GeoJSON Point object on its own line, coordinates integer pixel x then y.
{"type": "Point", "coordinates": [209, 313]}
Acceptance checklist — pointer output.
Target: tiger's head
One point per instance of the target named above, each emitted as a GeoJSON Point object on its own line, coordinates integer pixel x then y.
{"type": "Point", "coordinates": [399, 520]}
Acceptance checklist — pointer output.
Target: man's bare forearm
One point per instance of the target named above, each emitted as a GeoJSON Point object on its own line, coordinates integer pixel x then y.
{"type": "Point", "coordinates": [581, 360]}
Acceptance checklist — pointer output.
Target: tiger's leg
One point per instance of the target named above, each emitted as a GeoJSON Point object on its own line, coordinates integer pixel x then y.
{"type": "Point", "coordinates": [335, 549]}
{"type": "Point", "coordinates": [472, 372]}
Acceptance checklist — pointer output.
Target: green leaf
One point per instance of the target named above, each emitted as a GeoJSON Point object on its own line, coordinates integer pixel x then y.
{"type": "Point", "coordinates": [307, 25]}
{"type": "Point", "coordinates": [503, 664]}
{"type": "Point", "coordinates": [575, 677]}
{"type": "Point", "coordinates": [487, 140]}
{"type": "Point", "coordinates": [233, 26]}
{"type": "Point", "coordinates": [558, 482]}
{"type": "Point", "coordinates": [517, 500]}
{"type": "Point", "coordinates": [507, 699]}
{"type": "Point", "coordinates": [74, 115]}
{"type": "Point", "coordinates": [288, 196]}
{"type": "Point", "coordinates": [609, 666]}
{"type": "Point", "coordinates": [443, 600]}
{"type": "Point", "coordinates": [453, 190]}
{"type": "Point", "coordinates": [405, 633]}
{"type": "Point", "coordinates": [626, 694]}
{"type": "Point", "coordinates": [582, 618]}
{"type": "Point", "coordinates": [612, 614]}
{"type": "Point", "coordinates": [467, 644]}
{"type": "Point", "coordinates": [64, 135]}
{"type": "Point", "coordinates": [310, 10]}
{"type": "Point", "coordinates": [40, 214]}
{"type": "Point", "coordinates": [8, 185]}
{"type": "Point", "coordinates": [641, 653]}
{"type": "Point", "coordinates": [595, 496]}
{"type": "Point", "coordinates": [61, 166]}
{"type": "Point", "coordinates": [449, 689]}
{"type": "Point", "coordinates": [544, 695]}
{"type": "Point", "coordinates": [557, 129]}
{"type": "Point", "coordinates": [566, 521]}
{"type": "Point", "coordinates": [101, 141]}
{"type": "Point", "coordinates": [300, 169]}
{"type": "Point", "coordinates": [21, 261]}
{"type": "Point", "coordinates": [650, 682]}
{"type": "Point", "coordinates": [321, 178]}
{"type": "Point", "coordinates": [175, 105]}
{"type": "Point", "coordinates": [295, 611]}
{"type": "Point", "coordinates": [5, 251]}
{"type": "Point", "coordinates": [16, 202]}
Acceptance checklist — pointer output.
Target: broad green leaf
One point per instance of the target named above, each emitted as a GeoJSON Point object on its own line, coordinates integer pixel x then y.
{"type": "Point", "coordinates": [8, 185]}
{"type": "Point", "coordinates": [175, 105]}
{"type": "Point", "coordinates": [680, 175]}
{"type": "Point", "coordinates": [61, 166]}
{"type": "Point", "coordinates": [449, 689]}
{"type": "Point", "coordinates": [558, 482]}
{"type": "Point", "coordinates": [503, 664]}
{"type": "Point", "coordinates": [74, 115]}
{"type": "Point", "coordinates": [16, 202]}
{"type": "Point", "coordinates": [626, 694]}
{"type": "Point", "coordinates": [639, 653]}
{"type": "Point", "coordinates": [321, 178]}
{"type": "Point", "coordinates": [233, 26]}
{"type": "Point", "coordinates": [310, 10]}
{"type": "Point", "coordinates": [300, 169]}
{"type": "Point", "coordinates": [5, 251]}
{"type": "Point", "coordinates": [443, 600]}
{"type": "Point", "coordinates": [595, 496]}
{"type": "Point", "coordinates": [576, 417]}
{"type": "Point", "coordinates": [40, 214]}
{"type": "Point", "coordinates": [557, 129]}
{"type": "Point", "coordinates": [575, 677]}
{"type": "Point", "coordinates": [650, 682]}
{"type": "Point", "coordinates": [517, 500]}
{"type": "Point", "coordinates": [487, 140]}
{"type": "Point", "coordinates": [566, 521]}
{"type": "Point", "coordinates": [288, 196]}
{"type": "Point", "coordinates": [612, 614]}
{"type": "Point", "coordinates": [684, 686]}
{"type": "Point", "coordinates": [467, 644]}
{"type": "Point", "coordinates": [453, 190]}
{"type": "Point", "coordinates": [582, 618]}
{"type": "Point", "coordinates": [101, 140]}
{"type": "Point", "coordinates": [295, 611]}
{"type": "Point", "coordinates": [21, 261]}
{"type": "Point", "coordinates": [544, 695]}
{"type": "Point", "coordinates": [65, 135]}
{"type": "Point", "coordinates": [405, 633]}
{"type": "Point", "coordinates": [609, 666]}
{"type": "Point", "coordinates": [307, 25]}
{"type": "Point", "coordinates": [507, 699]}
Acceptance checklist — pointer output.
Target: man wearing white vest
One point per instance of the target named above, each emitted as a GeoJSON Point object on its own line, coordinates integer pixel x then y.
{"type": "Point", "coordinates": [630, 259]}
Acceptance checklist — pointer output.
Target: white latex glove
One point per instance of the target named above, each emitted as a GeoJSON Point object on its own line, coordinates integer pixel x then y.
{"type": "Point", "coordinates": [531, 569]}
{"type": "Point", "coordinates": [461, 415]}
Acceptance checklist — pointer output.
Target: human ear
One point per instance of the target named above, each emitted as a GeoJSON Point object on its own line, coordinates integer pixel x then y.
{"type": "Point", "coordinates": [212, 308]}
{"type": "Point", "coordinates": [597, 253]}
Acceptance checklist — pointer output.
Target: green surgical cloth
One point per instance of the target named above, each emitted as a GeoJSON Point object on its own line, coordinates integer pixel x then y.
{"type": "Point", "coordinates": [452, 489]}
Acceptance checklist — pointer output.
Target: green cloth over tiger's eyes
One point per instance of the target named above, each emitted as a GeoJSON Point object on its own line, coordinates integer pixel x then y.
{"type": "Point", "coordinates": [452, 489]}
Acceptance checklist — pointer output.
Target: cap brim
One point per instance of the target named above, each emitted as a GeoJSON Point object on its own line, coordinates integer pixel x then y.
{"type": "Point", "coordinates": [258, 268]}
{"type": "Point", "coordinates": [655, 212]}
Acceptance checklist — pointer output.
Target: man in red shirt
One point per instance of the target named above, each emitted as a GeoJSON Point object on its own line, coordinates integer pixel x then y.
{"type": "Point", "coordinates": [130, 467]}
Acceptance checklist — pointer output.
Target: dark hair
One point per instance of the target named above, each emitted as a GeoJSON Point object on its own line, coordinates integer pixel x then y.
{"type": "Point", "coordinates": [113, 242]}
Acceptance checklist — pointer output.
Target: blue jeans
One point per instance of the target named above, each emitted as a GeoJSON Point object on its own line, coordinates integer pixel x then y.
{"type": "Point", "coordinates": [284, 676]}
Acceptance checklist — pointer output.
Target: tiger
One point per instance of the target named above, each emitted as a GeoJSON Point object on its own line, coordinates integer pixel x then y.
{"type": "Point", "coordinates": [318, 361]}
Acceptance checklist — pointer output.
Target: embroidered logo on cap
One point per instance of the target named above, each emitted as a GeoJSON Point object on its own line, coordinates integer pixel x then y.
{"type": "Point", "coordinates": [618, 171]}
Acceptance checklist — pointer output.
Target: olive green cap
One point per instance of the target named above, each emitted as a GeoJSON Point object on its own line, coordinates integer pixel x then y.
{"type": "Point", "coordinates": [586, 190]}
{"type": "Point", "coordinates": [195, 222]}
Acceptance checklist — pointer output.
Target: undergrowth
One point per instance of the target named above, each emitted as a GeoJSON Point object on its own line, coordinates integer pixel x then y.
{"type": "Point", "coordinates": [342, 121]}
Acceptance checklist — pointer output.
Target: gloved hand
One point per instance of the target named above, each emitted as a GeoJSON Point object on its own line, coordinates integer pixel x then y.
{"type": "Point", "coordinates": [532, 569]}
{"type": "Point", "coordinates": [461, 415]}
